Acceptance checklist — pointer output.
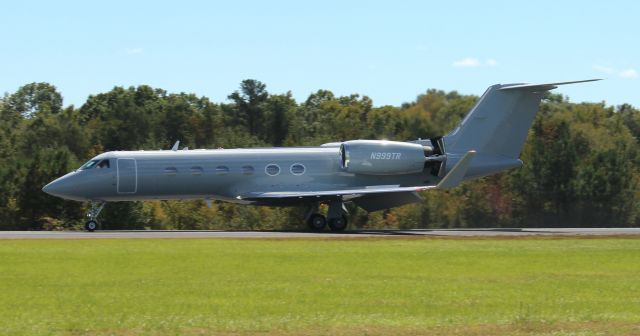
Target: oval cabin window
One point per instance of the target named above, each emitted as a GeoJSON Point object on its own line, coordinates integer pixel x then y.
{"type": "Point", "coordinates": [272, 169]}
{"type": "Point", "coordinates": [196, 170]}
{"type": "Point", "coordinates": [297, 169]}
{"type": "Point", "coordinates": [222, 170]}
{"type": "Point", "coordinates": [247, 170]}
{"type": "Point", "coordinates": [170, 171]}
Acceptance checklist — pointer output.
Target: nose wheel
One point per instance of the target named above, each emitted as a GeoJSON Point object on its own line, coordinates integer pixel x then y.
{"type": "Point", "coordinates": [92, 224]}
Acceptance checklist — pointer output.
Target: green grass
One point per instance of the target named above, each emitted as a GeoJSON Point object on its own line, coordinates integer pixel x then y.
{"type": "Point", "coordinates": [314, 286]}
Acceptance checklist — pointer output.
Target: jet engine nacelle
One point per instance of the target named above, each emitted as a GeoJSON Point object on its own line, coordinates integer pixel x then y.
{"type": "Point", "coordinates": [381, 157]}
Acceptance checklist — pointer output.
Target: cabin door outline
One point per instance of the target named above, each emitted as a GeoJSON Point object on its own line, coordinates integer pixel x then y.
{"type": "Point", "coordinates": [127, 176]}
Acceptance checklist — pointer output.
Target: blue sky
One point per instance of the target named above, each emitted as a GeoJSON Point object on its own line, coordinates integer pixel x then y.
{"type": "Point", "coordinates": [389, 50]}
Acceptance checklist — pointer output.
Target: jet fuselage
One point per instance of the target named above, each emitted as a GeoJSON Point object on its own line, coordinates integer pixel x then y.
{"type": "Point", "coordinates": [218, 174]}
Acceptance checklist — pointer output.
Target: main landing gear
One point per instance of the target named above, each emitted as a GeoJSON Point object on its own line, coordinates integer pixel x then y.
{"type": "Point", "coordinates": [92, 223]}
{"type": "Point", "coordinates": [336, 218]}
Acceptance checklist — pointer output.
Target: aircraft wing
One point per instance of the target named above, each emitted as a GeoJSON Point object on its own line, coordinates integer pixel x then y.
{"type": "Point", "coordinates": [352, 193]}
{"type": "Point", "coordinates": [452, 179]}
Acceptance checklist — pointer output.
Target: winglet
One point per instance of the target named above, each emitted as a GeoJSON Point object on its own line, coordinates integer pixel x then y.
{"type": "Point", "coordinates": [175, 146]}
{"type": "Point", "coordinates": [455, 176]}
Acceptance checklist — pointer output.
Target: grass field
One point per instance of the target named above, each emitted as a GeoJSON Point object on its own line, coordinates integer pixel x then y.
{"type": "Point", "coordinates": [530, 286]}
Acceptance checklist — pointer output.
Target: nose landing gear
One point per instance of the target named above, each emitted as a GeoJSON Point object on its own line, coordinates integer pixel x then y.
{"type": "Point", "coordinates": [92, 223]}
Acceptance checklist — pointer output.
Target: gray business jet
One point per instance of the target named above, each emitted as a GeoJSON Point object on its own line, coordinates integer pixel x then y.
{"type": "Point", "coordinates": [373, 174]}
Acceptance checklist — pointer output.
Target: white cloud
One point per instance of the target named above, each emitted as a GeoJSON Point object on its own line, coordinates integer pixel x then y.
{"type": "Point", "coordinates": [625, 73]}
{"type": "Point", "coordinates": [468, 62]}
{"type": "Point", "coordinates": [628, 73]}
{"type": "Point", "coordinates": [603, 69]}
{"type": "Point", "coordinates": [133, 51]}
{"type": "Point", "coordinates": [472, 62]}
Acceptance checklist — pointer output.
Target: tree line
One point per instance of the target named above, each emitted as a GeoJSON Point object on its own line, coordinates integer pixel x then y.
{"type": "Point", "coordinates": [581, 159]}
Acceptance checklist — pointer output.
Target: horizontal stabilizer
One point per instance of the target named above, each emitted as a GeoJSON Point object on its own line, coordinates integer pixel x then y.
{"type": "Point", "coordinates": [543, 87]}
{"type": "Point", "coordinates": [456, 175]}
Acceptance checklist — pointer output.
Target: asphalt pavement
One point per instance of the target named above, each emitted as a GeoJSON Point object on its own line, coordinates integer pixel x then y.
{"type": "Point", "coordinates": [502, 232]}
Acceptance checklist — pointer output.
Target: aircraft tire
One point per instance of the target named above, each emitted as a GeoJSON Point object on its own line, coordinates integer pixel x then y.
{"type": "Point", "coordinates": [91, 225]}
{"type": "Point", "coordinates": [317, 222]}
{"type": "Point", "coordinates": [338, 224]}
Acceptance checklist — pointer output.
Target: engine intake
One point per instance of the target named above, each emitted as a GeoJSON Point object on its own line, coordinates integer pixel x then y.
{"type": "Point", "coordinates": [381, 157]}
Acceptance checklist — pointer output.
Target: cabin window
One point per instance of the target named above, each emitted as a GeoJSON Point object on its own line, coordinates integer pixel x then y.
{"type": "Point", "coordinates": [297, 169]}
{"type": "Point", "coordinates": [222, 170]}
{"type": "Point", "coordinates": [103, 164]}
{"type": "Point", "coordinates": [170, 171]}
{"type": "Point", "coordinates": [247, 170]}
{"type": "Point", "coordinates": [90, 164]}
{"type": "Point", "coordinates": [272, 169]}
{"type": "Point", "coordinates": [195, 170]}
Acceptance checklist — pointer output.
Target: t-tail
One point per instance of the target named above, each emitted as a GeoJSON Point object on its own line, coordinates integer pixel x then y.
{"type": "Point", "coordinates": [496, 128]}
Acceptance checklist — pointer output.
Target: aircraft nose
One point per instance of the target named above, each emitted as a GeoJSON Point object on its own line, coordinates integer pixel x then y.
{"type": "Point", "coordinates": [62, 187]}
{"type": "Point", "coordinates": [48, 189]}
{"type": "Point", "coordinates": [54, 187]}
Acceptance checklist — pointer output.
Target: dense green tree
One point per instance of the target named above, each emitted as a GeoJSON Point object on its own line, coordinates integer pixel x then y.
{"type": "Point", "coordinates": [45, 165]}
{"type": "Point", "coordinates": [605, 188]}
{"type": "Point", "coordinates": [35, 98]}
{"type": "Point", "coordinates": [545, 183]}
{"type": "Point", "coordinates": [8, 183]}
{"type": "Point", "coordinates": [279, 111]}
{"type": "Point", "coordinates": [631, 119]}
{"type": "Point", "coordinates": [249, 105]}
{"type": "Point", "coordinates": [122, 117]}
{"type": "Point", "coordinates": [580, 160]}
{"type": "Point", "coordinates": [350, 113]}
{"type": "Point", "coordinates": [316, 118]}
{"type": "Point", "coordinates": [124, 215]}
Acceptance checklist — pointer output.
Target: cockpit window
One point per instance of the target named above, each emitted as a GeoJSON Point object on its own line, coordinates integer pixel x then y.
{"type": "Point", "coordinates": [95, 163]}
{"type": "Point", "coordinates": [90, 164]}
{"type": "Point", "coordinates": [103, 164]}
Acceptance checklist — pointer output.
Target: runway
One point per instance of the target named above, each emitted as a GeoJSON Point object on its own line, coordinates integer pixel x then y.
{"type": "Point", "coordinates": [502, 232]}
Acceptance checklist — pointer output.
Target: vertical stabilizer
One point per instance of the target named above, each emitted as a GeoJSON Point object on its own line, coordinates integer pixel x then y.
{"type": "Point", "coordinates": [499, 122]}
